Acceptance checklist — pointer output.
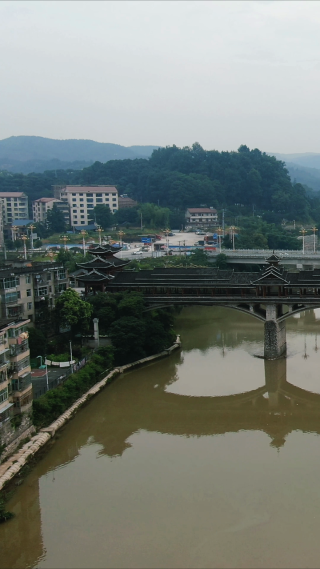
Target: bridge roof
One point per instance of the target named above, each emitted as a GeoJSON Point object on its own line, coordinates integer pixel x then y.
{"type": "Point", "coordinates": [104, 249]}
{"type": "Point", "coordinates": [94, 276]}
{"type": "Point", "coordinates": [103, 264]}
{"type": "Point", "coordinates": [215, 278]}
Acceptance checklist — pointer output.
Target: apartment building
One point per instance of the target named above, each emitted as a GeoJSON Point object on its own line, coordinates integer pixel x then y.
{"type": "Point", "coordinates": [83, 199]}
{"type": "Point", "coordinates": [26, 291]}
{"type": "Point", "coordinates": [15, 374]}
{"type": "Point", "coordinates": [15, 206]}
{"type": "Point", "coordinates": [41, 206]}
{"type": "Point", "coordinates": [201, 216]}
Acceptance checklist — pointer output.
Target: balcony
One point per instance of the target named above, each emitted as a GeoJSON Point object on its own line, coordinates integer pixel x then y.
{"type": "Point", "coordinates": [20, 346]}
{"type": "Point", "coordinates": [10, 300]}
{"type": "Point", "coordinates": [15, 312]}
{"type": "Point", "coordinates": [21, 383]}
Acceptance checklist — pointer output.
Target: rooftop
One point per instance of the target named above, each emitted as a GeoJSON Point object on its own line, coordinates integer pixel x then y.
{"type": "Point", "coordinates": [13, 195]}
{"type": "Point", "coordinates": [90, 189]}
{"type": "Point", "coordinates": [201, 210]}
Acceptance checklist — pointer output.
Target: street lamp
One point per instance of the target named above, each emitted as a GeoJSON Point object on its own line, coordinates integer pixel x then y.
{"type": "Point", "coordinates": [83, 233]}
{"type": "Point", "coordinates": [166, 232]}
{"type": "Point", "coordinates": [219, 231]}
{"type": "Point", "coordinates": [31, 227]}
{"type": "Point", "coordinates": [121, 234]}
{"type": "Point", "coordinates": [14, 230]}
{"type": "Point", "coordinates": [24, 238]}
{"type": "Point", "coordinates": [303, 231]}
{"type": "Point", "coordinates": [64, 238]}
{"type": "Point", "coordinates": [100, 230]}
{"type": "Point", "coordinates": [314, 229]}
{"type": "Point", "coordinates": [232, 229]}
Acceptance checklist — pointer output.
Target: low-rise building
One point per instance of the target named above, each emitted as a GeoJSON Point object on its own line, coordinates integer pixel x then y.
{"type": "Point", "coordinates": [41, 206]}
{"type": "Point", "coordinates": [83, 199]}
{"type": "Point", "coordinates": [201, 216]}
{"type": "Point", "coordinates": [126, 202]}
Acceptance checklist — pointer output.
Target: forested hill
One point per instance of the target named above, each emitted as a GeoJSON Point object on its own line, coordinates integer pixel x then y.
{"type": "Point", "coordinates": [26, 154]}
{"type": "Point", "coordinates": [190, 177]}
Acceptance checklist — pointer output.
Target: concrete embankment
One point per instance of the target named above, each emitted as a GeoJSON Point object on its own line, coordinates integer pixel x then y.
{"type": "Point", "coordinates": [13, 465]}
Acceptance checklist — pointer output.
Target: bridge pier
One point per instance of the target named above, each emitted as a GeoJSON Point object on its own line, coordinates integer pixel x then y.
{"type": "Point", "coordinates": [275, 344]}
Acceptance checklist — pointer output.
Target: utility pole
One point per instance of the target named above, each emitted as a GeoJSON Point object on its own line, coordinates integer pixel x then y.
{"type": "Point", "coordinates": [223, 211]}
{"type": "Point", "coordinates": [314, 229]}
{"type": "Point", "coordinates": [303, 231]}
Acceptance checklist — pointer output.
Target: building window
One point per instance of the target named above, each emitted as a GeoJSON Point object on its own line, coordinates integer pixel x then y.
{"type": "Point", "coordinates": [81, 210]}
{"type": "Point", "coordinates": [29, 293]}
{"type": "Point", "coordinates": [82, 216]}
{"type": "Point", "coordinates": [99, 195]}
{"type": "Point", "coordinates": [43, 291]}
{"type": "Point", "coordinates": [114, 194]}
{"type": "Point", "coordinates": [3, 395]}
{"type": "Point", "coordinates": [29, 305]}
{"type": "Point", "coordinates": [73, 194]}
{"type": "Point", "coordinates": [10, 282]}
{"type": "Point", "coordinates": [99, 200]}
{"type": "Point", "coordinates": [81, 199]}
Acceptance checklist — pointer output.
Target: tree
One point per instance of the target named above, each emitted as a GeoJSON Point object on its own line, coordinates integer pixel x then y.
{"type": "Point", "coordinates": [55, 220]}
{"type": "Point", "coordinates": [222, 261]}
{"type": "Point", "coordinates": [37, 342]}
{"type": "Point", "coordinates": [102, 216]}
{"type": "Point", "coordinates": [128, 338]}
{"type": "Point", "coordinates": [71, 311]}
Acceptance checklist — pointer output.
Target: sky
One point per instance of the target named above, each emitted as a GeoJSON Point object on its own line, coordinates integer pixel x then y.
{"type": "Point", "coordinates": [143, 72]}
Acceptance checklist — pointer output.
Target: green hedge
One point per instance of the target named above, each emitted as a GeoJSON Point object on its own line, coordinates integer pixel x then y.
{"type": "Point", "coordinates": [51, 405]}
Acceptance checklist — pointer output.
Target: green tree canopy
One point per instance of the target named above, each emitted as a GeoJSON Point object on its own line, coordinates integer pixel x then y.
{"type": "Point", "coordinates": [55, 220]}
{"type": "Point", "coordinates": [102, 216]}
{"type": "Point", "coordinates": [72, 311]}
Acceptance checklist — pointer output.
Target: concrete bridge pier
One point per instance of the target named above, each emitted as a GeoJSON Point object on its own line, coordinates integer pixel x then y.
{"type": "Point", "coordinates": [275, 344]}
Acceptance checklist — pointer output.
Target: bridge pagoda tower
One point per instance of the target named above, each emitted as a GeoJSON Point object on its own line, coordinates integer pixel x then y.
{"type": "Point", "coordinates": [271, 283]}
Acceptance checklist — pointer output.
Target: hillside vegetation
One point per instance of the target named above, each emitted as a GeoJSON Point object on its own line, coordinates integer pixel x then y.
{"type": "Point", "coordinates": [244, 182]}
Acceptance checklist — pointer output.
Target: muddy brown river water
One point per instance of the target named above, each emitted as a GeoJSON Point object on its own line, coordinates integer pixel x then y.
{"type": "Point", "coordinates": [209, 458]}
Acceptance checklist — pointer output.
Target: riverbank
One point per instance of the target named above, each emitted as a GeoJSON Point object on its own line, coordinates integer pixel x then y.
{"type": "Point", "coordinates": [12, 467]}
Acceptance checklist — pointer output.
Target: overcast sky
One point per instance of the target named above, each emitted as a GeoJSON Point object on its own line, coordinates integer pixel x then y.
{"type": "Point", "coordinates": [127, 72]}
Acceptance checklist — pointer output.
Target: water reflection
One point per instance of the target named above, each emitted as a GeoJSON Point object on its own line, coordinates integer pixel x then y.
{"type": "Point", "coordinates": [153, 400]}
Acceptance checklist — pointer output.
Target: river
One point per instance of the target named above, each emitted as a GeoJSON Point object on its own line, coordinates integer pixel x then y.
{"type": "Point", "coordinates": [209, 458]}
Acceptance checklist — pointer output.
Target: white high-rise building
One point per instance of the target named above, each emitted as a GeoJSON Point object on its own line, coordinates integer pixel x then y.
{"type": "Point", "coordinates": [83, 199]}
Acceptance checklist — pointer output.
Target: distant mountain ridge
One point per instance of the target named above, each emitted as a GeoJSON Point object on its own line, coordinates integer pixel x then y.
{"type": "Point", "coordinates": [26, 154]}
{"type": "Point", "coordinates": [303, 168]}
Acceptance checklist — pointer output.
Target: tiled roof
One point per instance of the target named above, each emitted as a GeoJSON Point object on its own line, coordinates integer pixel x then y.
{"type": "Point", "coordinates": [201, 210]}
{"type": "Point", "coordinates": [13, 195]}
{"type": "Point", "coordinates": [45, 200]}
{"type": "Point", "coordinates": [89, 189]}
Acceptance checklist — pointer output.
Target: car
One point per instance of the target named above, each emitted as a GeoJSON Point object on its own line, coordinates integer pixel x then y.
{"type": "Point", "coordinates": [137, 252]}
{"type": "Point", "coordinates": [200, 233]}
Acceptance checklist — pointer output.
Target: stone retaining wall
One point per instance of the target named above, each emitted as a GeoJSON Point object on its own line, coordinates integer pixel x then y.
{"type": "Point", "coordinates": [12, 466]}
